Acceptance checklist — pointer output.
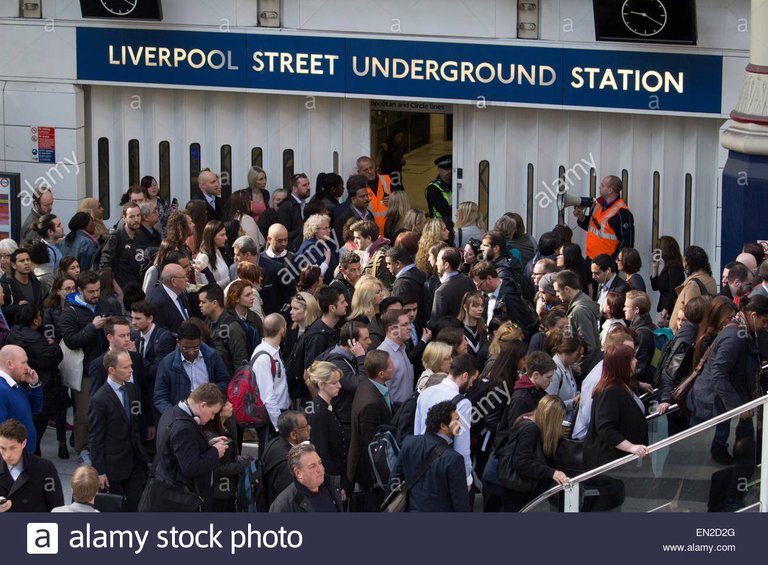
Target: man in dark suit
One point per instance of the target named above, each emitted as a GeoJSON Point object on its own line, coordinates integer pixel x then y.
{"type": "Point", "coordinates": [278, 282]}
{"type": "Point", "coordinates": [355, 206]}
{"type": "Point", "coordinates": [186, 457]}
{"type": "Point", "coordinates": [169, 299]}
{"type": "Point", "coordinates": [114, 412]}
{"type": "Point", "coordinates": [117, 330]}
{"type": "Point", "coordinates": [293, 429]}
{"type": "Point", "coordinates": [454, 285]}
{"type": "Point", "coordinates": [370, 409]}
{"type": "Point", "coordinates": [605, 274]}
{"type": "Point", "coordinates": [210, 192]}
{"type": "Point", "coordinates": [191, 364]}
{"type": "Point", "coordinates": [409, 281]}
{"type": "Point", "coordinates": [153, 343]}
{"type": "Point", "coordinates": [30, 483]}
{"type": "Point", "coordinates": [443, 486]}
{"type": "Point", "coordinates": [291, 211]}
{"type": "Point", "coordinates": [505, 301]}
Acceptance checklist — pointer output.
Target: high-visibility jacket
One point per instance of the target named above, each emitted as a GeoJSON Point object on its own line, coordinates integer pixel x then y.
{"type": "Point", "coordinates": [378, 207]}
{"type": "Point", "coordinates": [600, 236]}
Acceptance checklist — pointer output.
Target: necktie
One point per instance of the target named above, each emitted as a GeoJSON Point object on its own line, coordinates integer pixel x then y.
{"type": "Point", "coordinates": [414, 337]}
{"type": "Point", "coordinates": [183, 307]}
{"type": "Point", "coordinates": [302, 209]}
{"type": "Point", "coordinates": [126, 407]}
{"type": "Point", "coordinates": [141, 346]}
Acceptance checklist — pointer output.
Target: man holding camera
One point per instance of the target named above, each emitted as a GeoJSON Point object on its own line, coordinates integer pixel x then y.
{"type": "Point", "coordinates": [610, 225]}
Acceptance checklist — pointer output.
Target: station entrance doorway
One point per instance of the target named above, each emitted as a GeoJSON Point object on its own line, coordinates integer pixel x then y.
{"type": "Point", "coordinates": [406, 138]}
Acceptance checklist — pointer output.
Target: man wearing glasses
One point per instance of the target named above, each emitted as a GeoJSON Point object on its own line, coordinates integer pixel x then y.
{"type": "Point", "coordinates": [168, 298]}
{"type": "Point", "coordinates": [291, 211]}
{"type": "Point", "coordinates": [192, 363]}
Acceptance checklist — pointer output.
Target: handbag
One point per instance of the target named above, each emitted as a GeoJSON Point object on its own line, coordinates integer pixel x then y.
{"type": "Point", "coordinates": [680, 392]}
{"type": "Point", "coordinates": [163, 496]}
{"type": "Point", "coordinates": [108, 502]}
{"type": "Point", "coordinates": [71, 367]}
{"type": "Point", "coordinates": [508, 475]}
{"type": "Point", "coordinates": [397, 499]}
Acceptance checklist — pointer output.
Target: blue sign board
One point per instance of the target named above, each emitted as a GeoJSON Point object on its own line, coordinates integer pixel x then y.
{"type": "Point", "coordinates": [385, 68]}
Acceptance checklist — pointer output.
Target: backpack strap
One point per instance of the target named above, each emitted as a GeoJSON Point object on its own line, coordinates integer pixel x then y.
{"type": "Point", "coordinates": [271, 359]}
{"type": "Point", "coordinates": [702, 288]}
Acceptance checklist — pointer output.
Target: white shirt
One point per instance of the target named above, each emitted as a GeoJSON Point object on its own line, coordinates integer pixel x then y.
{"type": "Point", "coordinates": [492, 298]}
{"type": "Point", "coordinates": [447, 390]}
{"type": "Point", "coordinates": [584, 414]}
{"type": "Point", "coordinates": [604, 290]}
{"type": "Point", "coordinates": [5, 376]}
{"type": "Point", "coordinates": [273, 391]}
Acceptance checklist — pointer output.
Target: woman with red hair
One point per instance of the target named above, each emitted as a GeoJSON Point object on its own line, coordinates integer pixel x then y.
{"type": "Point", "coordinates": [618, 422]}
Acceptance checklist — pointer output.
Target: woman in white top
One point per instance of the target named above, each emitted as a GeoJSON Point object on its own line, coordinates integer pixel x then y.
{"type": "Point", "coordinates": [613, 310]}
{"type": "Point", "coordinates": [568, 350]}
{"type": "Point", "coordinates": [214, 237]}
{"type": "Point", "coordinates": [239, 208]}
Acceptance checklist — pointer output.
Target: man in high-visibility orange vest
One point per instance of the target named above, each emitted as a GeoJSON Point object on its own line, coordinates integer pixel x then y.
{"type": "Point", "coordinates": [610, 225]}
{"type": "Point", "coordinates": [379, 189]}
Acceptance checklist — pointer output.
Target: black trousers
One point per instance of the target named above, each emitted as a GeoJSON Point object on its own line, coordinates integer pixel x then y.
{"type": "Point", "coordinates": [132, 487]}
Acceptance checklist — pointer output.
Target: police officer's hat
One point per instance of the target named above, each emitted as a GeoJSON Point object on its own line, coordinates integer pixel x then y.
{"type": "Point", "coordinates": [444, 162]}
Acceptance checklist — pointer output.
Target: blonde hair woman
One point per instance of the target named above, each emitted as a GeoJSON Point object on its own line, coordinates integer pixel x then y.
{"type": "Point", "coordinates": [414, 220]}
{"type": "Point", "coordinates": [396, 210]}
{"type": "Point", "coordinates": [436, 359]}
{"type": "Point", "coordinates": [369, 292]}
{"type": "Point", "coordinates": [326, 432]}
{"type": "Point", "coordinates": [434, 232]}
{"type": "Point", "coordinates": [536, 435]}
{"type": "Point", "coordinates": [304, 311]}
{"type": "Point", "coordinates": [471, 314]}
{"type": "Point", "coordinates": [469, 224]}
{"type": "Point", "coordinates": [318, 247]}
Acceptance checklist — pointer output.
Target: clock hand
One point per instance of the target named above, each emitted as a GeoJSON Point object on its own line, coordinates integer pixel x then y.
{"type": "Point", "coordinates": [130, 2]}
{"type": "Point", "coordinates": [654, 21]}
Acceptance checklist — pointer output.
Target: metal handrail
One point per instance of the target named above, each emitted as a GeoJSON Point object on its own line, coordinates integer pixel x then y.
{"type": "Point", "coordinates": [678, 437]}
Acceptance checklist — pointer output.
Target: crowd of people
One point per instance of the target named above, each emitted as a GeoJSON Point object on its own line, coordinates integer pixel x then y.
{"type": "Point", "coordinates": [478, 351]}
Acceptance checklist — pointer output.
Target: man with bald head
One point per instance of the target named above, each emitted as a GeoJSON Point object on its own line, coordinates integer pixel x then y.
{"type": "Point", "coordinates": [20, 392]}
{"type": "Point", "coordinates": [273, 387]}
{"type": "Point", "coordinates": [278, 283]}
{"type": "Point", "coordinates": [210, 192]}
{"type": "Point", "coordinates": [170, 299]}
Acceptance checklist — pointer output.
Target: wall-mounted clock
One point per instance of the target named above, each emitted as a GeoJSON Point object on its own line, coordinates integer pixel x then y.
{"type": "Point", "coordinates": [655, 21]}
{"type": "Point", "coordinates": [122, 9]}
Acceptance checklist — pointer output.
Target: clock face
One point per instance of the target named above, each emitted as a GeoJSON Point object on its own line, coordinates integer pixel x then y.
{"type": "Point", "coordinates": [120, 7]}
{"type": "Point", "coordinates": [644, 18]}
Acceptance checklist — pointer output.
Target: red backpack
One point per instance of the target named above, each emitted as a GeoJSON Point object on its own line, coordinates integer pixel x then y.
{"type": "Point", "coordinates": [243, 393]}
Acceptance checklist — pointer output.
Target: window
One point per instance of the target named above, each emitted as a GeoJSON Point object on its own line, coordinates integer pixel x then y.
{"type": "Point", "coordinates": [226, 171]}
{"type": "Point", "coordinates": [483, 189]}
{"type": "Point", "coordinates": [288, 169]}
{"type": "Point", "coordinates": [656, 201]}
{"type": "Point", "coordinates": [164, 178]}
{"type": "Point", "coordinates": [529, 203]}
{"type": "Point", "coordinates": [102, 158]}
{"type": "Point", "coordinates": [592, 183]}
{"type": "Point", "coordinates": [688, 210]}
{"type": "Point", "coordinates": [336, 162]}
{"type": "Point", "coordinates": [257, 157]}
{"type": "Point", "coordinates": [194, 168]}
{"type": "Point", "coordinates": [134, 164]}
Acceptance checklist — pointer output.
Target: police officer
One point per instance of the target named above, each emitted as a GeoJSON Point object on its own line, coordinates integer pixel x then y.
{"type": "Point", "coordinates": [610, 225]}
{"type": "Point", "coordinates": [438, 192]}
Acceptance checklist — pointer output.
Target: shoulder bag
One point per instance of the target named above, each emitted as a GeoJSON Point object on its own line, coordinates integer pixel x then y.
{"type": "Point", "coordinates": [680, 392]}
{"type": "Point", "coordinates": [397, 499]}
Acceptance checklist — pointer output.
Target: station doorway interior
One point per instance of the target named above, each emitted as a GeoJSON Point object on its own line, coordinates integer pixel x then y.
{"type": "Point", "coordinates": [424, 136]}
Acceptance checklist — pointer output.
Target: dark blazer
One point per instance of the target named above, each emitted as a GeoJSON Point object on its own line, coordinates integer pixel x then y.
{"type": "Point", "coordinates": [278, 282]}
{"type": "Point", "coordinates": [615, 417]}
{"type": "Point", "coordinates": [293, 499]}
{"type": "Point", "coordinates": [289, 214]}
{"type": "Point", "coordinates": [666, 282]}
{"type": "Point", "coordinates": [327, 436]}
{"type": "Point", "coordinates": [161, 343]}
{"type": "Point", "coordinates": [98, 376]}
{"type": "Point", "coordinates": [32, 491]}
{"type": "Point", "coordinates": [167, 314]}
{"type": "Point", "coordinates": [274, 467]}
{"type": "Point", "coordinates": [369, 411]}
{"type": "Point", "coordinates": [341, 214]}
{"type": "Point", "coordinates": [183, 454]}
{"type": "Point", "coordinates": [448, 297]}
{"type": "Point", "coordinates": [216, 213]}
{"type": "Point", "coordinates": [618, 285]}
{"type": "Point", "coordinates": [411, 283]}
{"type": "Point", "coordinates": [114, 441]}
{"type": "Point", "coordinates": [443, 487]}
{"type": "Point", "coordinates": [172, 384]}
